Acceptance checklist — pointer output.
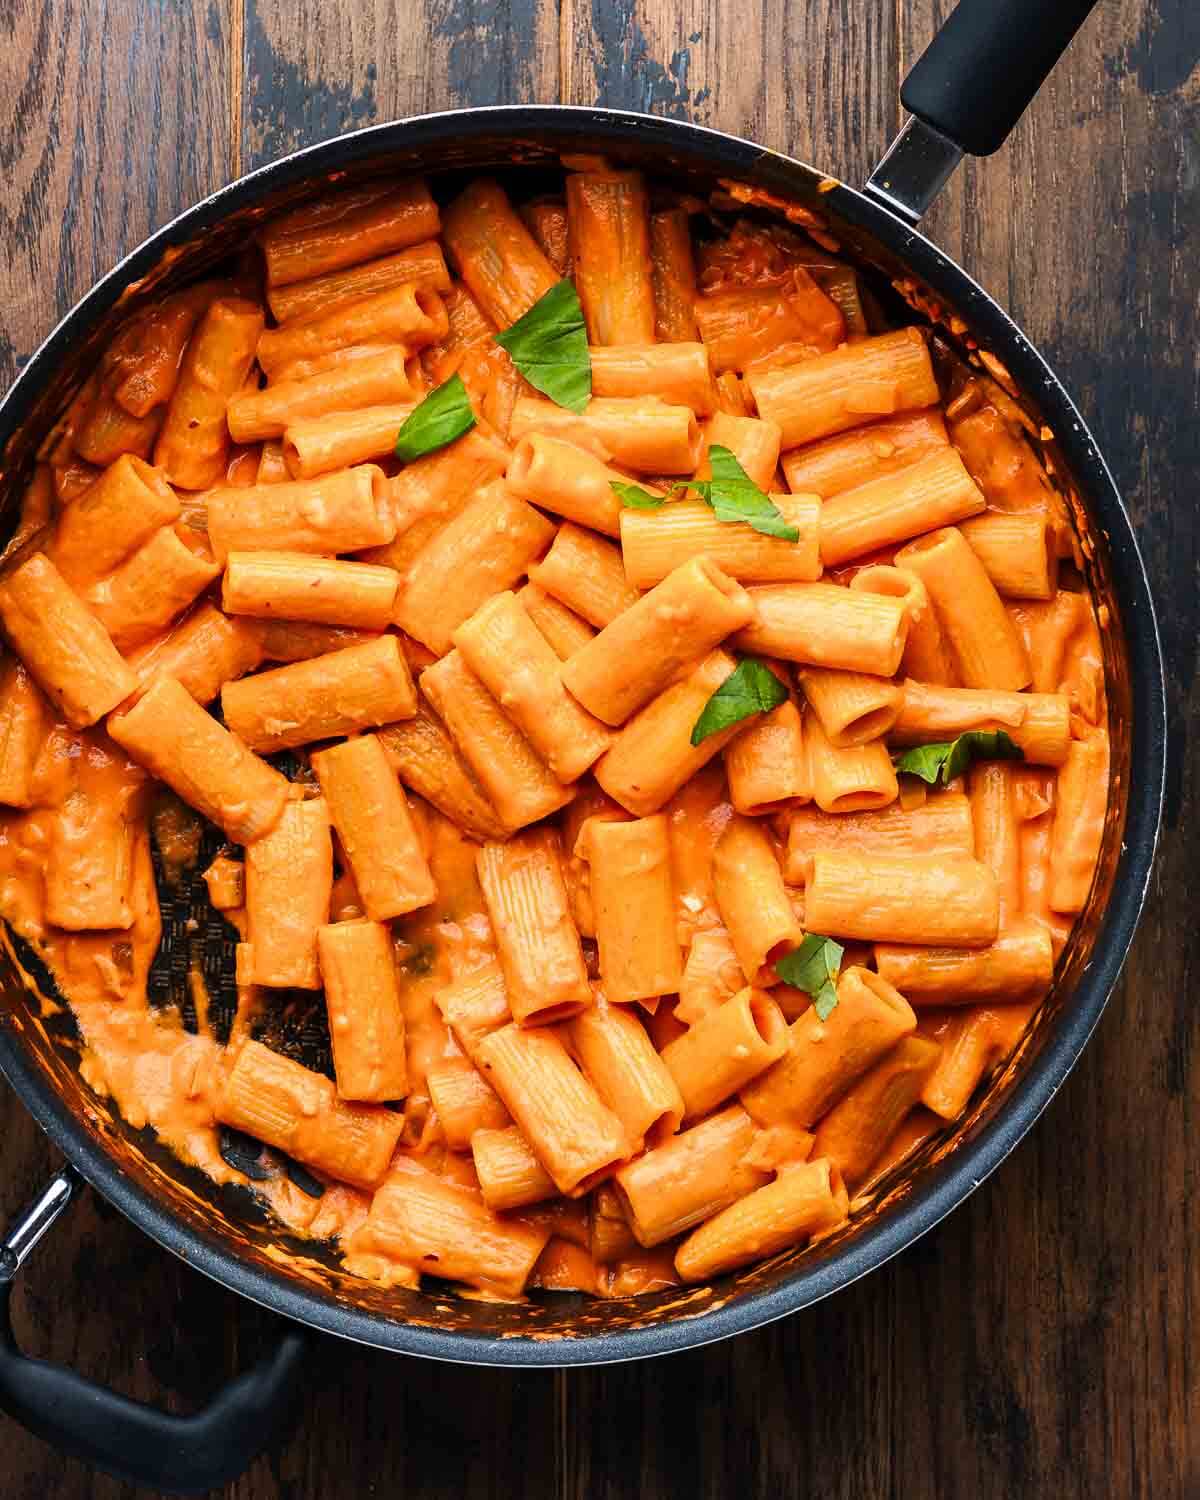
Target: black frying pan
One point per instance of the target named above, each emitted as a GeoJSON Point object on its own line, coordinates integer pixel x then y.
{"type": "Point", "coordinates": [965, 94]}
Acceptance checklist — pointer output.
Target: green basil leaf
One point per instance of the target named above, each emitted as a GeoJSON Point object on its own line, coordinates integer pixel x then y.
{"type": "Point", "coordinates": [634, 496]}
{"type": "Point", "coordinates": [445, 414]}
{"type": "Point", "coordinates": [749, 689]}
{"type": "Point", "coordinates": [734, 496]}
{"type": "Point", "coordinates": [549, 346]}
{"type": "Point", "coordinates": [814, 967]}
{"type": "Point", "coordinates": [950, 758]}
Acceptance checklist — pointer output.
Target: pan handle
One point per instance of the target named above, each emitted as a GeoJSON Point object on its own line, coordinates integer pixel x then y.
{"type": "Point", "coordinates": [968, 89]}
{"type": "Point", "coordinates": [137, 1443]}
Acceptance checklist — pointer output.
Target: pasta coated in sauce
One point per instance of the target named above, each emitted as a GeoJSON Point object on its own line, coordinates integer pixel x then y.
{"type": "Point", "coordinates": [545, 758]}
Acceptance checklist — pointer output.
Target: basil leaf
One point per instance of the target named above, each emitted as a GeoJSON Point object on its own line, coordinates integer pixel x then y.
{"type": "Point", "coordinates": [634, 496]}
{"type": "Point", "coordinates": [445, 414]}
{"type": "Point", "coordinates": [814, 967]}
{"type": "Point", "coordinates": [549, 346]}
{"type": "Point", "coordinates": [734, 496]}
{"type": "Point", "coordinates": [950, 758]}
{"type": "Point", "coordinates": [749, 689]}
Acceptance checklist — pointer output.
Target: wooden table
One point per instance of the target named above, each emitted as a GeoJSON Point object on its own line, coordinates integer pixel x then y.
{"type": "Point", "coordinates": [1043, 1340]}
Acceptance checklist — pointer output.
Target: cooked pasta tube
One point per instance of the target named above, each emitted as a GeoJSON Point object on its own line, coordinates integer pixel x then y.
{"type": "Point", "coordinates": [653, 543]}
{"type": "Point", "coordinates": [90, 846]}
{"type": "Point", "coordinates": [424, 757]}
{"type": "Point", "coordinates": [374, 827]}
{"type": "Point", "coordinates": [642, 433]}
{"type": "Point", "coordinates": [935, 491]}
{"type": "Point", "coordinates": [853, 707]}
{"type": "Point", "coordinates": [753, 903]}
{"type": "Point", "coordinates": [505, 650]}
{"type": "Point", "coordinates": [121, 511]}
{"type": "Point", "coordinates": [378, 381]}
{"type": "Point", "coordinates": [1080, 808]}
{"type": "Point", "coordinates": [465, 1103]}
{"type": "Point", "coordinates": [690, 1177]}
{"type": "Point", "coordinates": [168, 732]}
{"type": "Point", "coordinates": [158, 582]}
{"type": "Point", "coordinates": [271, 467]}
{"type": "Point", "coordinates": [1047, 627]}
{"type": "Point", "coordinates": [653, 755]}
{"type": "Point", "coordinates": [289, 878]}
{"type": "Point", "coordinates": [855, 1131]}
{"type": "Point", "coordinates": [565, 1267]}
{"type": "Point", "coordinates": [535, 938]}
{"type": "Point", "coordinates": [711, 975]}
{"type": "Point", "coordinates": [422, 265]}
{"type": "Point", "coordinates": [753, 442]}
{"type": "Point", "coordinates": [767, 766]}
{"type": "Point", "coordinates": [68, 652]}
{"type": "Point", "coordinates": [297, 586]}
{"type": "Point", "coordinates": [510, 1175]}
{"type": "Point", "coordinates": [518, 784]}
{"type": "Point", "coordinates": [1038, 723]}
{"type": "Point", "coordinates": [925, 655]}
{"type": "Point", "coordinates": [574, 1134]}
{"type": "Point", "coordinates": [974, 1040]}
{"type": "Point", "coordinates": [986, 650]}
{"type": "Point", "coordinates": [226, 882]}
{"type": "Point", "coordinates": [23, 724]}
{"type": "Point", "coordinates": [725, 1049]}
{"type": "Point", "coordinates": [562, 629]}
{"type": "Point", "coordinates": [546, 220]}
{"type": "Point", "coordinates": [742, 324]}
{"type": "Point", "coordinates": [296, 248]}
{"type": "Point", "coordinates": [672, 275]}
{"type": "Point", "coordinates": [1007, 470]}
{"type": "Point", "coordinates": [1018, 553]}
{"type": "Point", "coordinates": [903, 898]}
{"type": "Point", "coordinates": [677, 373]}
{"type": "Point", "coordinates": [343, 512]}
{"type": "Point", "coordinates": [609, 1235]}
{"type": "Point", "coordinates": [993, 813]}
{"type": "Point", "coordinates": [942, 824]}
{"type": "Point", "coordinates": [408, 314]}
{"type": "Point", "coordinates": [848, 778]}
{"type": "Point", "coordinates": [806, 1199]}
{"type": "Point", "coordinates": [318, 364]}
{"type": "Point", "coordinates": [109, 430]}
{"type": "Point", "coordinates": [731, 396]}
{"type": "Point", "coordinates": [619, 1060]}
{"type": "Point", "coordinates": [849, 459]}
{"type": "Point", "coordinates": [878, 377]}
{"type": "Point", "coordinates": [483, 550]}
{"type": "Point", "coordinates": [634, 658]}
{"type": "Point", "coordinates": [585, 573]}
{"type": "Point", "coordinates": [1019, 965]}
{"type": "Point", "coordinates": [494, 253]}
{"type": "Point", "coordinates": [824, 1058]}
{"type": "Point", "coordinates": [609, 218]}
{"type": "Point", "coordinates": [475, 1005]}
{"type": "Point", "coordinates": [917, 1127]}
{"type": "Point", "coordinates": [825, 625]}
{"type": "Point", "coordinates": [633, 907]}
{"type": "Point", "coordinates": [366, 1022]}
{"type": "Point", "coordinates": [320, 445]}
{"type": "Point", "coordinates": [444, 1230]}
{"type": "Point", "coordinates": [340, 693]}
{"type": "Point", "coordinates": [568, 480]}
{"type": "Point", "coordinates": [203, 652]}
{"type": "Point", "coordinates": [468, 326]}
{"type": "Point", "coordinates": [297, 1111]}
{"type": "Point", "coordinates": [193, 443]}
{"type": "Point", "coordinates": [148, 352]}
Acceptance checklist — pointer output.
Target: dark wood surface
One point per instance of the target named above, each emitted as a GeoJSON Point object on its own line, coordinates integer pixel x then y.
{"type": "Point", "coordinates": [1043, 1340]}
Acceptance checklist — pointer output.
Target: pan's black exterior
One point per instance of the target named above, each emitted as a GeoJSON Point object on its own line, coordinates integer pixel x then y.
{"type": "Point", "coordinates": [500, 137]}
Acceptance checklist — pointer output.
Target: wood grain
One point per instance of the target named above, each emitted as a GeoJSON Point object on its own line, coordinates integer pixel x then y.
{"type": "Point", "coordinates": [1041, 1341]}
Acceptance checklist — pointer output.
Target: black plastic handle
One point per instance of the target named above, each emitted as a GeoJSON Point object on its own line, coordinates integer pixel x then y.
{"type": "Point", "coordinates": [134, 1442]}
{"type": "Point", "coordinates": [979, 74]}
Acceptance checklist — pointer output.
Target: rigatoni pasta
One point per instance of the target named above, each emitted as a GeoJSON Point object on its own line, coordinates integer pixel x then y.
{"type": "Point", "coordinates": [617, 870]}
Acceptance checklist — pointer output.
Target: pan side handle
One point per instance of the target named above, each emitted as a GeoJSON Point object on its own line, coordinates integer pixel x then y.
{"type": "Point", "coordinates": [135, 1442]}
{"type": "Point", "coordinates": [968, 89]}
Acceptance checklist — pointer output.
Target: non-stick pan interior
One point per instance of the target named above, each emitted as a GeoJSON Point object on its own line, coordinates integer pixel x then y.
{"type": "Point", "coordinates": [225, 1229]}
